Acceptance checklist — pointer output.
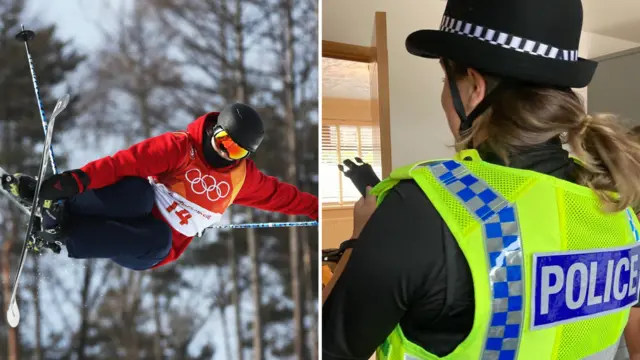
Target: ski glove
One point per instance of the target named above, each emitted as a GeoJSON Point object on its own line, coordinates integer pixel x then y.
{"type": "Point", "coordinates": [361, 174]}
{"type": "Point", "coordinates": [21, 186]}
{"type": "Point", "coordinates": [64, 186]}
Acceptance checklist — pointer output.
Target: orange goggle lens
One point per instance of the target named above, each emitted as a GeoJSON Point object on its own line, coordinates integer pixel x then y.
{"type": "Point", "coordinates": [226, 144]}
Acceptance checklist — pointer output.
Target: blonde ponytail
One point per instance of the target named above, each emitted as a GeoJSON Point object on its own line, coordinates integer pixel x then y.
{"type": "Point", "coordinates": [527, 115]}
{"type": "Point", "coordinates": [611, 157]}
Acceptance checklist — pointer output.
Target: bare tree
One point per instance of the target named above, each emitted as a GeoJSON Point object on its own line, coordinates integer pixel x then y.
{"type": "Point", "coordinates": [221, 302]}
{"type": "Point", "coordinates": [290, 123]}
{"type": "Point", "coordinates": [132, 88]}
{"type": "Point", "coordinates": [252, 239]}
{"type": "Point", "coordinates": [235, 296]}
{"type": "Point", "coordinates": [135, 78]}
{"type": "Point", "coordinates": [21, 133]}
{"type": "Point", "coordinates": [258, 348]}
{"type": "Point", "coordinates": [35, 291]}
{"type": "Point", "coordinates": [312, 304]}
{"type": "Point", "coordinates": [214, 39]}
{"type": "Point", "coordinates": [10, 237]}
{"type": "Point", "coordinates": [82, 336]}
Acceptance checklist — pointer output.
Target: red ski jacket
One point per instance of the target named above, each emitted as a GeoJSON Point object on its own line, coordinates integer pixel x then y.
{"type": "Point", "coordinates": [167, 158]}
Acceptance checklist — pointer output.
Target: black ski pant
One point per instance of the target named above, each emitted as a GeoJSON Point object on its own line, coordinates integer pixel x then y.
{"type": "Point", "coordinates": [115, 222]}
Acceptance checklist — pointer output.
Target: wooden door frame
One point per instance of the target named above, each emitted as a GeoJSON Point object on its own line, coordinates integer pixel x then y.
{"type": "Point", "coordinates": [348, 52]}
{"type": "Point", "coordinates": [380, 94]}
{"type": "Point", "coordinates": [377, 54]}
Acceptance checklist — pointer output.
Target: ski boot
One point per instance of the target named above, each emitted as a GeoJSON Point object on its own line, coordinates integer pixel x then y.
{"type": "Point", "coordinates": [44, 239]}
{"type": "Point", "coordinates": [48, 229]}
{"type": "Point", "coordinates": [52, 224]}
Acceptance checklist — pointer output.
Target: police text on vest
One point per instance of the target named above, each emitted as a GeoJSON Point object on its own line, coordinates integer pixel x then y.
{"type": "Point", "coordinates": [576, 285]}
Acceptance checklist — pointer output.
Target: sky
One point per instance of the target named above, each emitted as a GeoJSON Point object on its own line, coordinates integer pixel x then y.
{"type": "Point", "coordinates": [76, 19]}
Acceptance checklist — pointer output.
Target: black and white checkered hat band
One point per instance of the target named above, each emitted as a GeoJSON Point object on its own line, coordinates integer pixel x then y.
{"type": "Point", "coordinates": [505, 40]}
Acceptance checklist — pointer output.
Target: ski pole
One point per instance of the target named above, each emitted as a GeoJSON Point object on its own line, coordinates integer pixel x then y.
{"type": "Point", "coordinates": [266, 225]}
{"type": "Point", "coordinates": [26, 35]}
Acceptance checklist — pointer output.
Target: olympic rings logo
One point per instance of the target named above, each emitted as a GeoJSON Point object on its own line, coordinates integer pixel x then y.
{"type": "Point", "coordinates": [214, 189]}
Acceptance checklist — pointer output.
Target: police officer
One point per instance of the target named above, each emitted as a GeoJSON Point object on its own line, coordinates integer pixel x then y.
{"type": "Point", "coordinates": [512, 249]}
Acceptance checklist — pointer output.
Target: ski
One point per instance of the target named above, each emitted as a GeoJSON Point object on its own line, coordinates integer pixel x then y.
{"type": "Point", "coordinates": [13, 312]}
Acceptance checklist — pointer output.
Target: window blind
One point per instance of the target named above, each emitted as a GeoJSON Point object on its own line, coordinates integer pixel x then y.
{"type": "Point", "coordinates": [341, 142]}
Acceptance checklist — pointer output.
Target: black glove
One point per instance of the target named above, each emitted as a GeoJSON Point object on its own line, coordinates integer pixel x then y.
{"type": "Point", "coordinates": [334, 255]}
{"type": "Point", "coordinates": [21, 186]}
{"type": "Point", "coordinates": [64, 186]}
{"type": "Point", "coordinates": [361, 174]}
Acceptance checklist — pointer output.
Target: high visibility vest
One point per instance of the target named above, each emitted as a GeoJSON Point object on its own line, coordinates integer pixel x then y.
{"type": "Point", "coordinates": [554, 276]}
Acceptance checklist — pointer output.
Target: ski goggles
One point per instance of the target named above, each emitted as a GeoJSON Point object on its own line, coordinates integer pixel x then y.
{"type": "Point", "coordinates": [231, 148]}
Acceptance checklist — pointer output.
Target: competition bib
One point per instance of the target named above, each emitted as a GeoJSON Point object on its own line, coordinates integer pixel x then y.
{"type": "Point", "coordinates": [571, 286]}
{"type": "Point", "coordinates": [193, 197]}
{"type": "Point", "coordinates": [186, 217]}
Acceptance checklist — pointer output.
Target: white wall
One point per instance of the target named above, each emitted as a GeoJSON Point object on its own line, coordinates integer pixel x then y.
{"type": "Point", "coordinates": [595, 45]}
{"type": "Point", "coordinates": [418, 128]}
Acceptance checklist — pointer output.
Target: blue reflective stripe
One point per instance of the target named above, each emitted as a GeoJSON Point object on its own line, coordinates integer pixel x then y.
{"type": "Point", "coordinates": [634, 230]}
{"type": "Point", "coordinates": [503, 248]}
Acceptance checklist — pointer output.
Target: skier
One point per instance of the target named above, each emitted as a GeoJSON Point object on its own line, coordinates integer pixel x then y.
{"type": "Point", "coordinates": [142, 206]}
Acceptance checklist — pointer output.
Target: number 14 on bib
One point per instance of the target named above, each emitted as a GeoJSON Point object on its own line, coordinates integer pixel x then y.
{"type": "Point", "coordinates": [182, 214]}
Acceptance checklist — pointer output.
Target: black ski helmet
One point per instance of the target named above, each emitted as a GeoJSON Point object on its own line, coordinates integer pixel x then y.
{"type": "Point", "coordinates": [243, 124]}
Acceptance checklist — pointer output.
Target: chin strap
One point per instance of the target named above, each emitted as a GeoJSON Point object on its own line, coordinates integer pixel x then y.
{"type": "Point", "coordinates": [466, 120]}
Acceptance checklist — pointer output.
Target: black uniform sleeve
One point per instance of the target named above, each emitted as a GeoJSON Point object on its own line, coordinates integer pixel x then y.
{"type": "Point", "coordinates": [398, 260]}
